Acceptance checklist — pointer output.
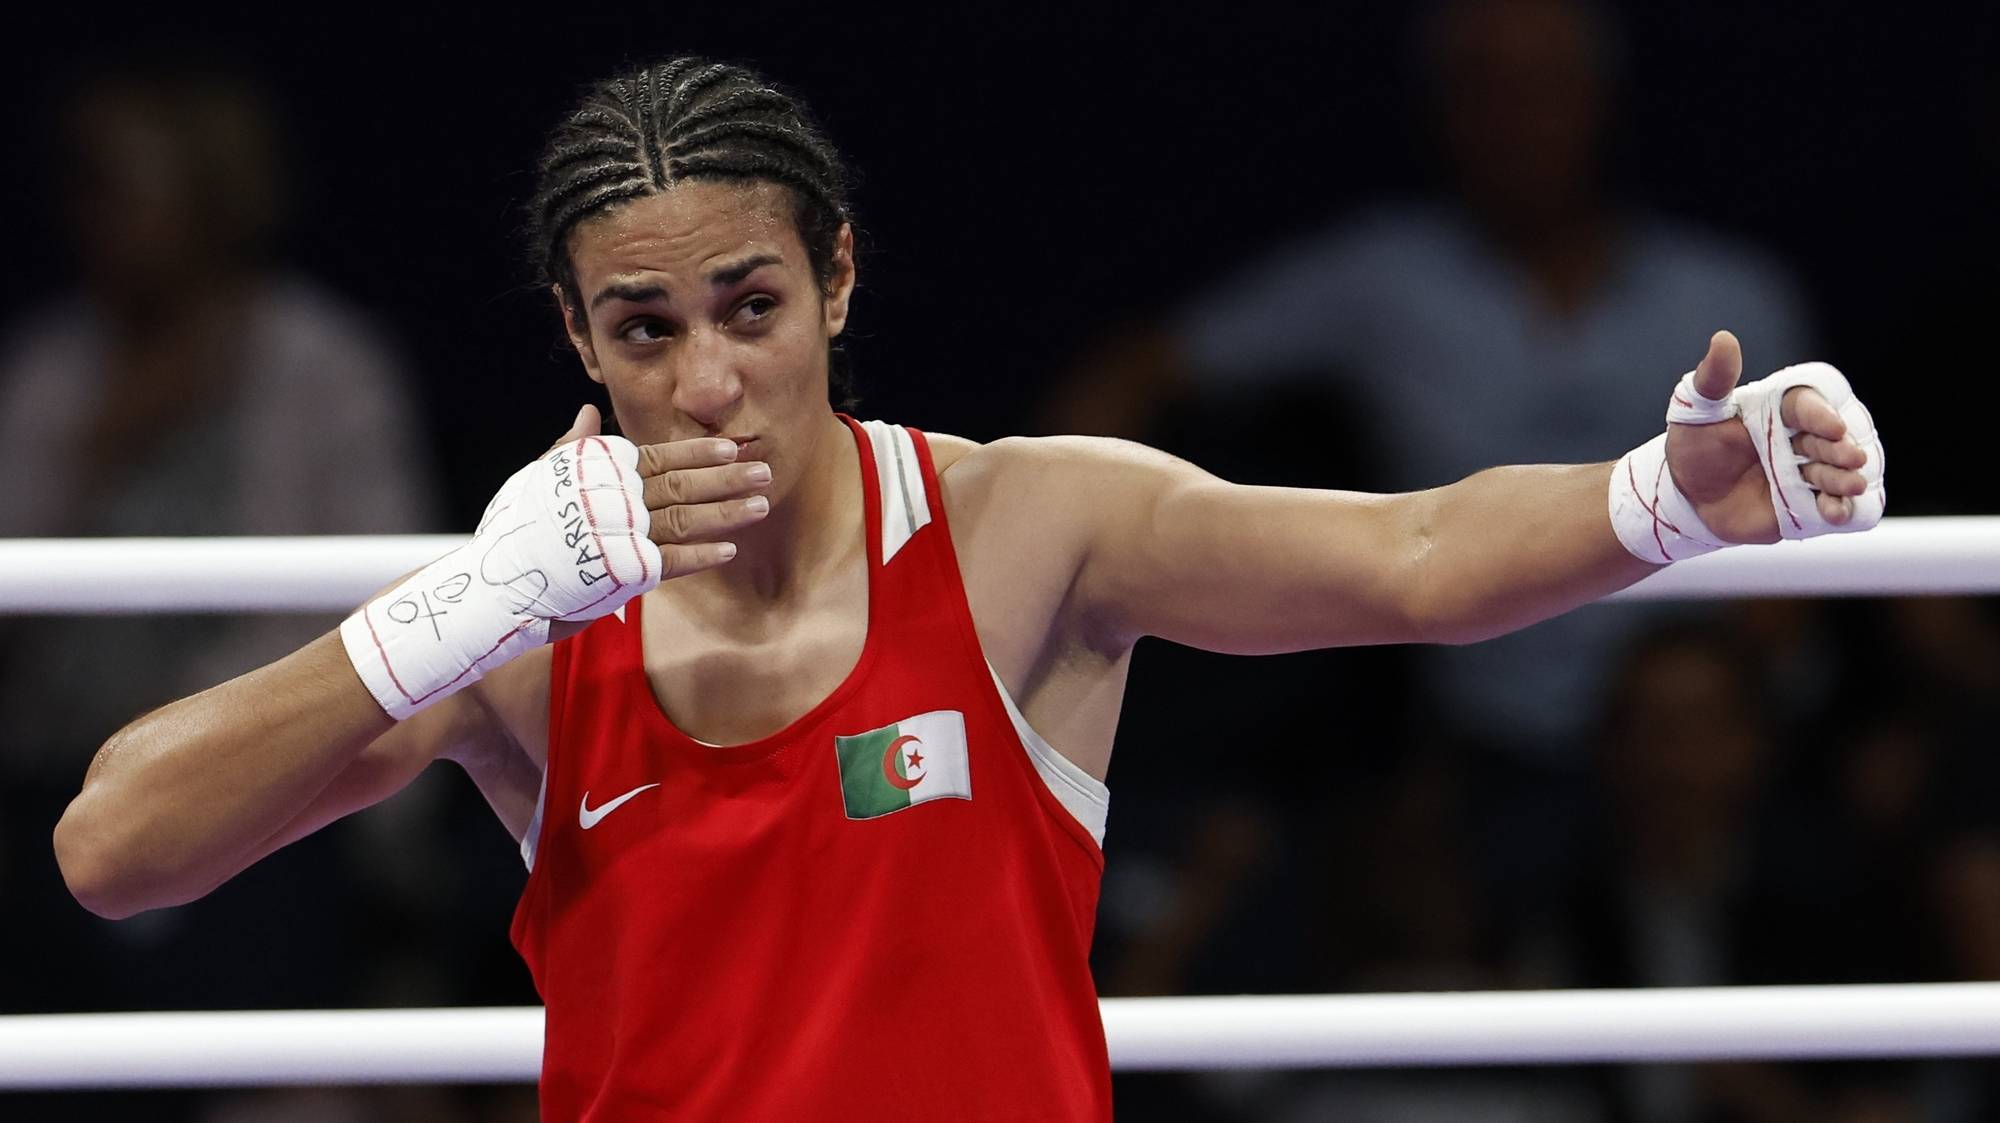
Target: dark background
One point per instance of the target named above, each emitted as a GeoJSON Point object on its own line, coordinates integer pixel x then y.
{"type": "Point", "coordinates": [1031, 181]}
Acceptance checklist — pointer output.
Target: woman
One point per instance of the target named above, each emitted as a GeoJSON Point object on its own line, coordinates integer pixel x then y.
{"type": "Point", "coordinates": [833, 701]}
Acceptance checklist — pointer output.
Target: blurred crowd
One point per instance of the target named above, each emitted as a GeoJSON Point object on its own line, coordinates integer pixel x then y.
{"type": "Point", "coordinates": [1735, 793]}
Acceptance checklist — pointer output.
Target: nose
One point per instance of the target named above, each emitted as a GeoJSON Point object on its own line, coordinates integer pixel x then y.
{"type": "Point", "coordinates": [707, 386]}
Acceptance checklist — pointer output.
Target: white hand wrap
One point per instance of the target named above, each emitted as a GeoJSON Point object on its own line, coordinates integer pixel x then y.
{"type": "Point", "coordinates": [564, 539]}
{"type": "Point", "coordinates": [1658, 524]}
{"type": "Point", "coordinates": [1653, 519]}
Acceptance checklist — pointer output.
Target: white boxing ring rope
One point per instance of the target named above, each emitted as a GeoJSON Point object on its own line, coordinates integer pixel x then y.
{"type": "Point", "coordinates": [1904, 557]}
{"type": "Point", "coordinates": [504, 1044]}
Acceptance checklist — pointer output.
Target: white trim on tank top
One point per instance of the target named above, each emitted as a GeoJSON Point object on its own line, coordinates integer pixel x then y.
{"type": "Point", "coordinates": [905, 509]}
{"type": "Point", "coordinates": [1084, 796]}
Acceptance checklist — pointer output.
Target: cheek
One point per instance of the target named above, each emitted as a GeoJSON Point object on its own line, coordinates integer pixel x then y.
{"type": "Point", "coordinates": [641, 396]}
{"type": "Point", "coordinates": [624, 377]}
{"type": "Point", "coordinates": [793, 361]}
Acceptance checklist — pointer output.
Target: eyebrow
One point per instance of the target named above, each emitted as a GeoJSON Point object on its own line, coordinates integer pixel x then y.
{"type": "Point", "coordinates": [732, 273]}
{"type": "Point", "coordinates": [719, 277]}
{"type": "Point", "coordinates": [628, 290]}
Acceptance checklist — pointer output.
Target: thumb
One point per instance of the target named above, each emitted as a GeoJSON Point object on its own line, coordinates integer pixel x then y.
{"type": "Point", "coordinates": [587, 424]}
{"type": "Point", "coordinates": [1718, 371]}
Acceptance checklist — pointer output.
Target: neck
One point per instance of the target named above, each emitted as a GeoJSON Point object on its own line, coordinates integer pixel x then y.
{"type": "Point", "coordinates": [814, 528]}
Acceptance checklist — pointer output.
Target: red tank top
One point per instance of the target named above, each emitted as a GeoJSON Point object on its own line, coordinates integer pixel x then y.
{"type": "Point", "coordinates": [881, 912]}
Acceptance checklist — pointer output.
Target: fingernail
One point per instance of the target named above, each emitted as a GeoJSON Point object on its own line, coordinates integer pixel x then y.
{"type": "Point", "coordinates": [757, 505]}
{"type": "Point", "coordinates": [726, 549]}
{"type": "Point", "coordinates": [725, 450]}
{"type": "Point", "coordinates": [760, 473]}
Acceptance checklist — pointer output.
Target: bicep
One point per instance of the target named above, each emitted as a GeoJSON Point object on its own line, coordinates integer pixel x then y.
{"type": "Point", "coordinates": [1175, 552]}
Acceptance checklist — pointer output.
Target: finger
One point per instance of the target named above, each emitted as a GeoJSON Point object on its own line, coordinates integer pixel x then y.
{"type": "Point", "coordinates": [706, 522]}
{"type": "Point", "coordinates": [1835, 509]}
{"type": "Point", "coordinates": [1843, 453]}
{"type": "Point", "coordinates": [1829, 480]}
{"type": "Point", "coordinates": [1715, 376]}
{"type": "Point", "coordinates": [1805, 410]}
{"type": "Point", "coordinates": [705, 485]}
{"type": "Point", "coordinates": [701, 452]}
{"type": "Point", "coordinates": [679, 561]}
{"type": "Point", "coordinates": [587, 424]}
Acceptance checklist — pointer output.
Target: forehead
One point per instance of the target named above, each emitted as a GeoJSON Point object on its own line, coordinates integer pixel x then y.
{"type": "Point", "coordinates": [680, 230]}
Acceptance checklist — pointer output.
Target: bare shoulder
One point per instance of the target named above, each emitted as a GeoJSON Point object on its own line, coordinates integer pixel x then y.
{"type": "Point", "coordinates": [1027, 514]}
{"type": "Point", "coordinates": [947, 450]}
{"type": "Point", "coordinates": [1003, 519]}
{"type": "Point", "coordinates": [1046, 502]}
{"type": "Point", "coordinates": [1110, 467]}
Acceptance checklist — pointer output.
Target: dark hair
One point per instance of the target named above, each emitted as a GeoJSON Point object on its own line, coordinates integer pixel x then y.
{"type": "Point", "coordinates": [642, 131]}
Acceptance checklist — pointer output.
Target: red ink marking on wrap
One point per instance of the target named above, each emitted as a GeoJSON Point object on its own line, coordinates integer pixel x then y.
{"type": "Point", "coordinates": [384, 653]}
{"type": "Point", "coordinates": [645, 571]}
{"type": "Point", "coordinates": [453, 681]}
{"type": "Point", "coordinates": [1771, 459]}
{"type": "Point", "coordinates": [584, 492]}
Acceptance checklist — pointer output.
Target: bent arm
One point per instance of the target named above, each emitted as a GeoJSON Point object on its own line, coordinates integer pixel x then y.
{"type": "Point", "coordinates": [1166, 549]}
{"type": "Point", "coordinates": [190, 795]}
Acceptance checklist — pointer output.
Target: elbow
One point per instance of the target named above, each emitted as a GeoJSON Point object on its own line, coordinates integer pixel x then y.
{"type": "Point", "coordinates": [98, 877]}
{"type": "Point", "coordinates": [1437, 606]}
{"type": "Point", "coordinates": [1424, 612]}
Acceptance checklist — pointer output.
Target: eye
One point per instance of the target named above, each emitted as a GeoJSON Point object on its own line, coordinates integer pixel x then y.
{"type": "Point", "coordinates": [756, 308]}
{"type": "Point", "coordinates": [645, 331]}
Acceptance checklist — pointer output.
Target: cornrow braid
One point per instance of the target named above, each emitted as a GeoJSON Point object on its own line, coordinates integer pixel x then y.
{"type": "Point", "coordinates": [640, 132]}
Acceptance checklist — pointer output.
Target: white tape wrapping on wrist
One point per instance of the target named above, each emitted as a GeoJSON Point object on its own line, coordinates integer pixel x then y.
{"type": "Point", "coordinates": [564, 539]}
{"type": "Point", "coordinates": [1653, 519]}
{"type": "Point", "coordinates": [1658, 524]}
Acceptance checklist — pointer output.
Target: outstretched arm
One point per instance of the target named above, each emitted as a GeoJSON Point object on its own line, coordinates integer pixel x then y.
{"type": "Point", "coordinates": [1258, 570]}
{"type": "Point", "coordinates": [1166, 549]}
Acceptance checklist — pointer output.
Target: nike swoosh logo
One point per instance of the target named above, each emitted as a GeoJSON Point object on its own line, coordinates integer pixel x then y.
{"type": "Point", "coordinates": [587, 818]}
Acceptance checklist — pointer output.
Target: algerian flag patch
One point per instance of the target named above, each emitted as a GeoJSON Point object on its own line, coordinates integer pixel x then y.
{"type": "Point", "coordinates": [901, 765]}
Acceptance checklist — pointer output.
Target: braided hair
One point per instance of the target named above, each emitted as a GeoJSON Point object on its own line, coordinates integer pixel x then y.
{"type": "Point", "coordinates": [644, 130]}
